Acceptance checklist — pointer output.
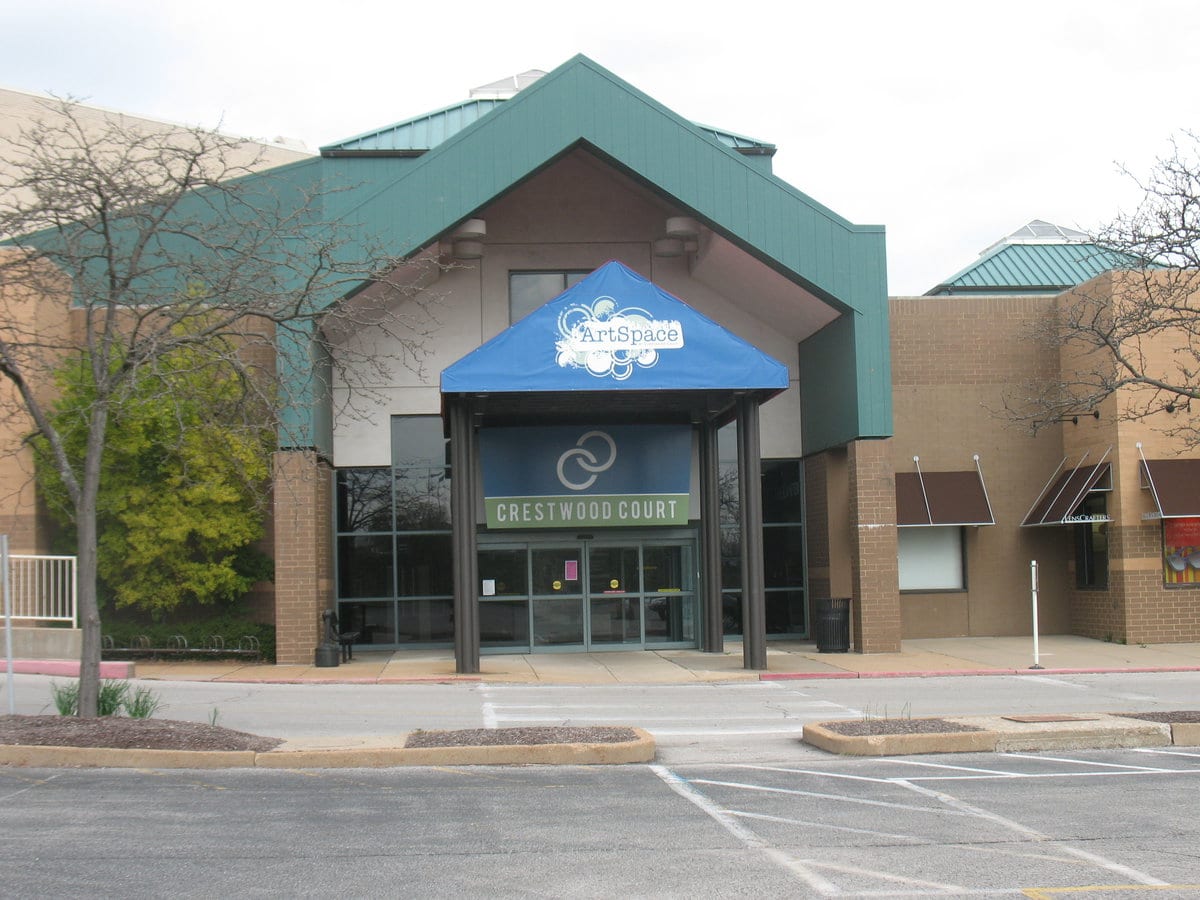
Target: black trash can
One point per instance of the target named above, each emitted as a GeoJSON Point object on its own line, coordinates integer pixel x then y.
{"type": "Point", "coordinates": [326, 656]}
{"type": "Point", "coordinates": [831, 625]}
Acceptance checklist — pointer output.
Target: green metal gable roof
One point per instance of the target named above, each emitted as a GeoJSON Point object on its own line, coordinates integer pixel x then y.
{"type": "Point", "coordinates": [423, 133]}
{"type": "Point", "coordinates": [417, 135]}
{"type": "Point", "coordinates": [582, 104]}
{"type": "Point", "coordinates": [1048, 268]}
{"type": "Point", "coordinates": [400, 205]}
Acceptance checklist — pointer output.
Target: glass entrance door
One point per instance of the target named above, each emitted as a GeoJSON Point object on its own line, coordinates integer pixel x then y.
{"type": "Point", "coordinates": [589, 595]}
{"type": "Point", "coordinates": [614, 595]}
{"type": "Point", "coordinates": [558, 603]}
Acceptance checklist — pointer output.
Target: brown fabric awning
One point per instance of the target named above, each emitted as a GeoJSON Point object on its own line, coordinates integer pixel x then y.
{"type": "Point", "coordinates": [942, 498]}
{"type": "Point", "coordinates": [1062, 497]}
{"type": "Point", "coordinates": [1175, 486]}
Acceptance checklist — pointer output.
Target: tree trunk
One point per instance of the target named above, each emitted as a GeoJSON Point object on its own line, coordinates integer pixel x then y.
{"type": "Point", "coordinates": [89, 607]}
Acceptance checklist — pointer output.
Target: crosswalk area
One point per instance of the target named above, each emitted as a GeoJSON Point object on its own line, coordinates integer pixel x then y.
{"type": "Point", "coordinates": [711, 710]}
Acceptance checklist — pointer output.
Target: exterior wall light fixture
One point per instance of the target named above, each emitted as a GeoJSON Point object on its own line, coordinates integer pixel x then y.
{"type": "Point", "coordinates": [467, 239]}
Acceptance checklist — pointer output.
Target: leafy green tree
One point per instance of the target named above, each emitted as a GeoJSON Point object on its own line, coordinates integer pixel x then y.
{"type": "Point", "coordinates": [107, 227]}
{"type": "Point", "coordinates": [180, 502]}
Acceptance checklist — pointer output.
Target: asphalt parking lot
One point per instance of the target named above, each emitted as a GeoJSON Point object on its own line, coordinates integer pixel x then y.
{"type": "Point", "coordinates": [1089, 824]}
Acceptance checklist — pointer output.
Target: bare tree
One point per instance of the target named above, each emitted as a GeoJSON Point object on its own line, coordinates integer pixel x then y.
{"type": "Point", "coordinates": [127, 244]}
{"type": "Point", "coordinates": [1131, 338]}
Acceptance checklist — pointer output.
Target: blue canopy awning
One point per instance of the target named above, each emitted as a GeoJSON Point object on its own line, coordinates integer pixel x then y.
{"type": "Point", "coordinates": [615, 331]}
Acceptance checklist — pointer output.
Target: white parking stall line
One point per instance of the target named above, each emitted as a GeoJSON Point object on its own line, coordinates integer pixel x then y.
{"type": "Point", "coordinates": [1033, 834]}
{"type": "Point", "coordinates": [1182, 754]}
{"type": "Point", "coordinates": [781, 820]}
{"type": "Point", "coordinates": [684, 788]}
{"type": "Point", "coordinates": [862, 801]}
{"type": "Point", "coordinates": [820, 774]}
{"type": "Point", "coordinates": [1085, 762]}
{"type": "Point", "coordinates": [972, 769]}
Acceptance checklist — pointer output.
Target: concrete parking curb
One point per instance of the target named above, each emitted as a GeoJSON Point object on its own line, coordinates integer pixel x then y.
{"type": "Point", "coordinates": [1001, 734]}
{"type": "Point", "coordinates": [639, 750]}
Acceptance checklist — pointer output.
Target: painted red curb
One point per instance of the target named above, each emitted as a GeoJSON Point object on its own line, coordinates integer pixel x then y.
{"type": "Point", "coordinates": [801, 676]}
{"type": "Point", "coordinates": [68, 668]}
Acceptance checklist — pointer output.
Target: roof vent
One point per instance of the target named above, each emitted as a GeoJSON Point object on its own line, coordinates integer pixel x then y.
{"type": "Point", "coordinates": [506, 88]}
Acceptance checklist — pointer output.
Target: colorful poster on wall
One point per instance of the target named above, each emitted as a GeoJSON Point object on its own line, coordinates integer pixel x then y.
{"type": "Point", "coordinates": [1181, 551]}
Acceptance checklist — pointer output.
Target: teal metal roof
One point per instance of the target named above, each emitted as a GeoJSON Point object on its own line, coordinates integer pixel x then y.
{"type": "Point", "coordinates": [738, 142]}
{"type": "Point", "coordinates": [1031, 269]}
{"type": "Point", "coordinates": [1038, 258]}
{"type": "Point", "coordinates": [395, 207]}
{"type": "Point", "coordinates": [415, 136]}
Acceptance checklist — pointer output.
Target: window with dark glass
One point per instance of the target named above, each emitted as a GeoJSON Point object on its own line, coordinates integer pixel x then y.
{"type": "Point", "coordinates": [1091, 542]}
{"type": "Point", "coordinates": [393, 540]}
{"type": "Point", "coordinates": [529, 290]}
{"type": "Point", "coordinates": [783, 540]}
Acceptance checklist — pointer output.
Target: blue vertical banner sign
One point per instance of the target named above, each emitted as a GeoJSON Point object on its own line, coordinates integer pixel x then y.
{"type": "Point", "coordinates": [605, 476]}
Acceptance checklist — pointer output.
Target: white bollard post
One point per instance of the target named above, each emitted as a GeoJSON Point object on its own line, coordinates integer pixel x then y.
{"type": "Point", "coordinates": [8, 650]}
{"type": "Point", "coordinates": [1033, 576]}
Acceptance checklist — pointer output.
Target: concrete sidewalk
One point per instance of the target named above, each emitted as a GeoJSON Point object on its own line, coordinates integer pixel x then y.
{"type": "Point", "coordinates": [785, 660]}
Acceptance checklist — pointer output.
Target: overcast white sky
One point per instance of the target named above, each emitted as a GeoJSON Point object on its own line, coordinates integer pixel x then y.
{"type": "Point", "coordinates": [951, 123]}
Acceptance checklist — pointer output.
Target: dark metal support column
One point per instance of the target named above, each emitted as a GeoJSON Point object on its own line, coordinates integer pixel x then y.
{"type": "Point", "coordinates": [754, 604]}
{"type": "Point", "coordinates": [462, 517]}
{"type": "Point", "coordinates": [710, 541]}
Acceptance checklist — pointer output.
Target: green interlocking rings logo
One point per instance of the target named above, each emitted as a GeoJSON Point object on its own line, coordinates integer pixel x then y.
{"type": "Point", "coordinates": [580, 457]}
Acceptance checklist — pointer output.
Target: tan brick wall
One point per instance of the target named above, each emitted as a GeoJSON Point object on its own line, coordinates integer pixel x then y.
{"type": "Point", "coordinates": [303, 553]}
{"type": "Point", "coordinates": [875, 607]}
{"type": "Point", "coordinates": [955, 362]}
{"type": "Point", "coordinates": [816, 523]}
{"type": "Point", "coordinates": [1137, 607]}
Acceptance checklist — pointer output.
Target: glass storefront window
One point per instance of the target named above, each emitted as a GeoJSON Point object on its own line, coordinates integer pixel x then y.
{"type": "Point", "coordinates": [529, 290]}
{"type": "Point", "coordinates": [1091, 544]}
{"type": "Point", "coordinates": [504, 571]}
{"type": "Point", "coordinates": [504, 623]}
{"type": "Point", "coordinates": [364, 566]}
{"type": "Point", "coordinates": [364, 500]}
{"type": "Point", "coordinates": [424, 565]}
{"type": "Point", "coordinates": [931, 558]}
{"type": "Point", "coordinates": [394, 543]}
{"type": "Point", "coordinates": [425, 621]}
{"type": "Point", "coordinates": [783, 540]}
{"type": "Point", "coordinates": [374, 621]}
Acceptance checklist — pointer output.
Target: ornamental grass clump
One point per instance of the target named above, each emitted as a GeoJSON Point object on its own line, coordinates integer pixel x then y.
{"type": "Point", "coordinates": [115, 698]}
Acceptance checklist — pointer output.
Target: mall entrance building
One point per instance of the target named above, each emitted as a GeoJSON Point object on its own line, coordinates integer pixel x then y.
{"type": "Point", "coordinates": [650, 407]}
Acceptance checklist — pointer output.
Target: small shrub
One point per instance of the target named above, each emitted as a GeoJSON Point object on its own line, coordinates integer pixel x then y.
{"type": "Point", "coordinates": [142, 703]}
{"type": "Point", "coordinates": [115, 697]}
{"type": "Point", "coordinates": [112, 697]}
{"type": "Point", "coordinates": [66, 697]}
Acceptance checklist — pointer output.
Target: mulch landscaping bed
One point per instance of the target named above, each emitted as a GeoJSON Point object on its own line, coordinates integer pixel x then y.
{"type": "Point", "coordinates": [896, 726]}
{"type": "Point", "coordinates": [123, 733]}
{"type": "Point", "coordinates": [1179, 717]}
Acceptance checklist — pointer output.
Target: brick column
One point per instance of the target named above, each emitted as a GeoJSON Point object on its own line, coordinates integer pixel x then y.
{"type": "Point", "coordinates": [303, 553]}
{"type": "Point", "coordinates": [875, 608]}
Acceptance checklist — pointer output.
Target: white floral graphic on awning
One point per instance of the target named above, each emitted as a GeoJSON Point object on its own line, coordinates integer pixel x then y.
{"type": "Point", "coordinates": [607, 341]}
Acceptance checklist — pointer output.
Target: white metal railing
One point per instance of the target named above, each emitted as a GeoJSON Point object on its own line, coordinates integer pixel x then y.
{"type": "Point", "coordinates": [42, 588]}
